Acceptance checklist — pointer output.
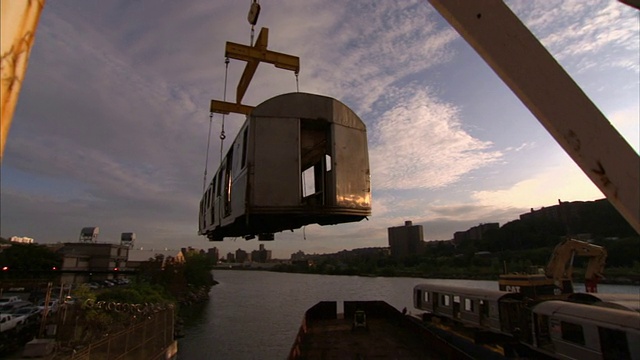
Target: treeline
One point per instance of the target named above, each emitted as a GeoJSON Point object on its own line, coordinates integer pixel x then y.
{"type": "Point", "coordinates": [514, 247]}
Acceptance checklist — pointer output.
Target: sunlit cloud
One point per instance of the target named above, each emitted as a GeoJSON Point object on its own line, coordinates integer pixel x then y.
{"type": "Point", "coordinates": [420, 143]}
{"type": "Point", "coordinates": [573, 29]}
{"type": "Point", "coordinates": [566, 183]}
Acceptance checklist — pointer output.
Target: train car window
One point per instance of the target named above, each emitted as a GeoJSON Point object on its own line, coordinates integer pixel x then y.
{"type": "Point", "coordinates": [219, 176]}
{"type": "Point", "coordinates": [613, 344]}
{"type": "Point", "coordinates": [468, 305]}
{"type": "Point", "coordinates": [446, 299]}
{"type": "Point", "coordinates": [327, 161]}
{"type": "Point", "coordinates": [456, 299]}
{"type": "Point", "coordinates": [572, 332]}
{"type": "Point", "coordinates": [227, 183]}
{"type": "Point", "coordinates": [426, 297]}
{"type": "Point", "coordinates": [308, 182]}
{"type": "Point", "coordinates": [484, 309]}
{"type": "Point", "coordinates": [245, 134]}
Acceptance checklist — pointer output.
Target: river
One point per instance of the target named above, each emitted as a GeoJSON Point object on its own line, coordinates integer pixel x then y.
{"type": "Point", "coordinates": [256, 314]}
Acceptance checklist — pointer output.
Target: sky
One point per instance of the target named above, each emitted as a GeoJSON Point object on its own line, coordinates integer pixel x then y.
{"type": "Point", "coordinates": [112, 123]}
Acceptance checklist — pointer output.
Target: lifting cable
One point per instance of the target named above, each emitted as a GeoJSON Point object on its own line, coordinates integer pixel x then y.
{"type": "Point", "coordinates": [222, 135]}
{"type": "Point", "coordinates": [224, 98]}
{"type": "Point", "coordinates": [206, 161]}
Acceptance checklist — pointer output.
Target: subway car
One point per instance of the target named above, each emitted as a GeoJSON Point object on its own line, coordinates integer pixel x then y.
{"type": "Point", "coordinates": [298, 159]}
{"type": "Point", "coordinates": [600, 327]}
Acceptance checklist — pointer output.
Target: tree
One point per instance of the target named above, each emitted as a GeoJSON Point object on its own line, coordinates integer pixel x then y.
{"type": "Point", "coordinates": [22, 259]}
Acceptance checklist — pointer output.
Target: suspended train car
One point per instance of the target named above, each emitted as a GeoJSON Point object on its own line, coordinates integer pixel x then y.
{"type": "Point", "coordinates": [299, 159]}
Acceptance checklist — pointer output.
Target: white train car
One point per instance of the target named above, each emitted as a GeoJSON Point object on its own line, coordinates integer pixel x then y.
{"type": "Point", "coordinates": [480, 308]}
{"type": "Point", "coordinates": [568, 330]}
{"type": "Point", "coordinates": [299, 159]}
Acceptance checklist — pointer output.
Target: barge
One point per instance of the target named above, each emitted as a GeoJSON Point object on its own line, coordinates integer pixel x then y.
{"type": "Point", "coordinates": [382, 333]}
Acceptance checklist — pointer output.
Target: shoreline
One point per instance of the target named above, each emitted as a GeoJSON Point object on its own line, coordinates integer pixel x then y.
{"type": "Point", "coordinates": [630, 279]}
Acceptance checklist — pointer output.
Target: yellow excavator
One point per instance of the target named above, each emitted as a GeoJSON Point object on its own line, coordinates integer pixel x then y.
{"type": "Point", "coordinates": [556, 279]}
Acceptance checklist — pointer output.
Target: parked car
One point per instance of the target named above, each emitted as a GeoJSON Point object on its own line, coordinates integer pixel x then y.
{"type": "Point", "coordinates": [8, 299]}
{"type": "Point", "coordinates": [11, 307]}
{"type": "Point", "coordinates": [31, 313]}
{"type": "Point", "coordinates": [93, 285]}
{"type": "Point", "coordinates": [8, 322]}
{"type": "Point", "coordinates": [52, 306]}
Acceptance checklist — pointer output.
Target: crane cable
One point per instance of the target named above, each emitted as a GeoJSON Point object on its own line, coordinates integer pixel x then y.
{"type": "Point", "coordinates": [206, 161]}
{"type": "Point", "coordinates": [224, 98]}
{"type": "Point", "coordinates": [222, 135]}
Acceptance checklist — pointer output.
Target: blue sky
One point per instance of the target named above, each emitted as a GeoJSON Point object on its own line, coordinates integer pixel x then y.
{"type": "Point", "coordinates": [111, 125]}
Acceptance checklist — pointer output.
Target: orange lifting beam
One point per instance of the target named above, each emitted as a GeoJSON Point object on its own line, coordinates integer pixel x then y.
{"type": "Point", "coordinates": [253, 55]}
{"type": "Point", "coordinates": [223, 107]}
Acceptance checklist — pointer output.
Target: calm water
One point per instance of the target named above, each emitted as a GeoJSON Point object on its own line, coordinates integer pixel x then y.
{"type": "Point", "coordinates": [256, 314]}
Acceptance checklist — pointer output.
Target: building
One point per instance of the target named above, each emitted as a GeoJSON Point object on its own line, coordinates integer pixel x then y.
{"type": "Point", "coordinates": [139, 256]}
{"type": "Point", "coordinates": [262, 255]}
{"type": "Point", "coordinates": [242, 256]}
{"type": "Point", "coordinates": [231, 258]}
{"type": "Point", "coordinates": [214, 254]}
{"type": "Point", "coordinates": [86, 261]}
{"type": "Point", "coordinates": [21, 239]}
{"type": "Point", "coordinates": [567, 213]}
{"type": "Point", "coordinates": [300, 255]}
{"type": "Point", "coordinates": [474, 233]}
{"type": "Point", "coordinates": [407, 240]}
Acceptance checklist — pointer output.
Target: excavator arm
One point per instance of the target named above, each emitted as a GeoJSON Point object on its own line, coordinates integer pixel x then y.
{"type": "Point", "coordinates": [560, 265]}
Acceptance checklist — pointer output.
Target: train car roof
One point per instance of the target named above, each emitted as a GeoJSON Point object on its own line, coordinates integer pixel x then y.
{"type": "Point", "coordinates": [618, 301]}
{"type": "Point", "coordinates": [468, 291]}
{"type": "Point", "coordinates": [309, 106]}
{"type": "Point", "coordinates": [583, 312]}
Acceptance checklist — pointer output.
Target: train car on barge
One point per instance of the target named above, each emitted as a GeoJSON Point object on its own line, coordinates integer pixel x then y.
{"type": "Point", "coordinates": [299, 159]}
{"type": "Point", "coordinates": [581, 326]}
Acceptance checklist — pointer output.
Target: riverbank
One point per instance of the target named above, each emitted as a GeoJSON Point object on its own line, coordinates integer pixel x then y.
{"type": "Point", "coordinates": [619, 276]}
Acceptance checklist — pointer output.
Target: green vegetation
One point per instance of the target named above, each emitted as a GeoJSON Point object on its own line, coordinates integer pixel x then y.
{"type": "Point", "coordinates": [470, 260]}
{"type": "Point", "coordinates": [29, 261]}
{"type": "Point", "coordinates": [518, 245]}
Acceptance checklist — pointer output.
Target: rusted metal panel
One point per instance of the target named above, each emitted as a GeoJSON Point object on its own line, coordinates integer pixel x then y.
{"type": "Point", "coordinates": [19, 23]}
{"type": "Point", "coordinates": [351, 168]}
{"type": "Point", "coordinates": [275, 179]}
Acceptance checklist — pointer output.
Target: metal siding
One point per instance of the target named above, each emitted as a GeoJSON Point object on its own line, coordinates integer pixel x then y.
{"type": "Point", "coordinates": [238, 188]}
{"type": "Point", "coordinates": [276, 167]}
{"type": "Point", "coordinates": [352, 182]}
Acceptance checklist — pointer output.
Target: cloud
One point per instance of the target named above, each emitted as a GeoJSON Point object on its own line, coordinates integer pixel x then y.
{"type": "Point", "coordinates": [574, 31]}
{"type": "Point", "coordinates": [359, 52]}
{"type": "Point", "coordinates": [420, 143]}
{"type": "Point", "coordinates": [565, 182]}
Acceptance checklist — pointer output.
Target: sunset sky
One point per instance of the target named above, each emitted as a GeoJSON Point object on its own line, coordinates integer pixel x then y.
{"type": "Point", "coordinates": [112, 121]}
